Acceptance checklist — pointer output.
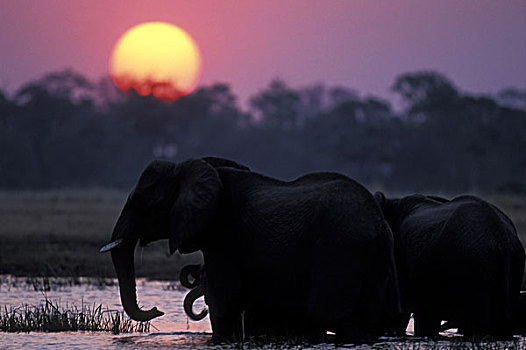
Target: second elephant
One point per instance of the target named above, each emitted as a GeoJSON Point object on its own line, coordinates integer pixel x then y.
{"type": "Point", "coordinates": [459, 261]}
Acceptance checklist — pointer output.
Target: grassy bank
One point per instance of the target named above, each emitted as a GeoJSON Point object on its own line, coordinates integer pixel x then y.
{"type": "Point", "coordinates": [59, 233]}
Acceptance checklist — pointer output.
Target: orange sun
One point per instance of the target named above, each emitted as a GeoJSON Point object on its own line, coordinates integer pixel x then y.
{"type": "Point", "coordinates": [156, 58]}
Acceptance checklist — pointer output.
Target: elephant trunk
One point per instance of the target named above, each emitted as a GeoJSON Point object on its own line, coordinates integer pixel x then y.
{"type": "Point", "coordinates": [189, 300]}
{"type": "Point", "coordinates": [193, 271]}
{"type": "Point", "coordinates": [122, 257]}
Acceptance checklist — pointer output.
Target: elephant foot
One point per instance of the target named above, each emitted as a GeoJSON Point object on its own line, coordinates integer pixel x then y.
{"type": "Point", "coordinates": [356, 335]}
{"type": "Point", "coordinates": [426, 325]}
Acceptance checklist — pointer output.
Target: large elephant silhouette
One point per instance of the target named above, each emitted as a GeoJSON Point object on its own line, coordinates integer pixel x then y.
{"type": "Point", "coordinates": [459, 261]}
{"type": "Point", "coordinates": [295, 258]}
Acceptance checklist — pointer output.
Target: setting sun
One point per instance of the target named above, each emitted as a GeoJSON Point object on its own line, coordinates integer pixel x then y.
{"type": "Point", "coordinates": [156, 58]}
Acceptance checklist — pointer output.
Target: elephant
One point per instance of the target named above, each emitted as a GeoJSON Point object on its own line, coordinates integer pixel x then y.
{"type": "Point", "coordinates": [295, 258]}
{"type": "Point", "coordinates": [458, 260]}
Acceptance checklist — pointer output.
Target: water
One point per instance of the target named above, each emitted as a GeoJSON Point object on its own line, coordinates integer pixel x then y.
{"type": "Point", "coordinates": [173, 330]}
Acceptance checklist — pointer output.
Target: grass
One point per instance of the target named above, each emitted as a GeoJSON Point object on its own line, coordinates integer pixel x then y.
{"type": "Point", "coordinates": [59, 234]}
{"type": "Point", "coordinates": [52, 317]}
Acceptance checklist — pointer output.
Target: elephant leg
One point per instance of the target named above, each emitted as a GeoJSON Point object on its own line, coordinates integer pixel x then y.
{"type": "Point", "coordinates": [223, 293]}
{"type": "Point", "coordinates": [226, 316]}
{"type": "Point", "coordinates": [276, 325]}
{"type": "Point", "coordinates": [254, 325]}
{"type": "Point", "coordinates": [226, 327]}
{"type": "Point", "coordinates": [478, 314]}
{"type": "Point", "coordinates": [313, 333]}
{"type": "Point", "coordinates": [342, 305]}
{"type": "Point", "coordinates": [335, 297]}
{"type": "Point", "coordinates": [400, 324]}
{"type": "Point", "coordinates": [427, 324]}
{"type": "Point", "coordinates": [264, 324]}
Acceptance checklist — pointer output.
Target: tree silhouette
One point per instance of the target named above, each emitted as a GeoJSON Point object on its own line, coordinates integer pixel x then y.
{"type": "Point", "coordinates": [63, 130]}
{"type": "Point", "coordinates": [277, 106]}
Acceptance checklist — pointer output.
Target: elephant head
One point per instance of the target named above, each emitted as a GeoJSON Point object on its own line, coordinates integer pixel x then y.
{"type": "Point", "coordinates": [396, 209]}
{"type": "Point", "coordinates": [170, 201]}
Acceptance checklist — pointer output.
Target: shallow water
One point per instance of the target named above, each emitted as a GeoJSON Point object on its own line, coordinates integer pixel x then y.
{"type": "Point", "coordinates": [173, 330]}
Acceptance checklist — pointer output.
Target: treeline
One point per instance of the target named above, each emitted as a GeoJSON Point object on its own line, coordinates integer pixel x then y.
{"type": "Point", "coordinates": [66, 131]}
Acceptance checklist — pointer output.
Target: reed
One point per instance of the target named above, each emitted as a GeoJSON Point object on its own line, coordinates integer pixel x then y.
{"type": "Point", "coordinates": [53, 317]}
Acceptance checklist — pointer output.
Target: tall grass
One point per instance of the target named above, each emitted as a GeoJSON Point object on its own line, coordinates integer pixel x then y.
{"type": "Point", "coordinates": [52, 317]}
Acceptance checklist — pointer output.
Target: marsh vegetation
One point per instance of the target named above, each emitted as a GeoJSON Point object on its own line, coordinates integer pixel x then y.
{"type": "Point", "coordinates": [51, 316]}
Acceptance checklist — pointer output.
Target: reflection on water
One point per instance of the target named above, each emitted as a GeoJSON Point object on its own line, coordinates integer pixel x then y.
{"type": "Point", "coordinates": [173, 330]}
{"type": "Point", "coordinates": [150, 293]}
{"type": "Point", "coordinates": [181, 340]}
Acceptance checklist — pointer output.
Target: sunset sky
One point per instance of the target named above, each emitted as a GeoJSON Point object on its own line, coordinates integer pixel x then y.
{"type": "Point", "coordinates": [363, 45]}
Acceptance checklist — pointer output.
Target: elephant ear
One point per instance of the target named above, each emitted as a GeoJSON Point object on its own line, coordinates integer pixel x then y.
{"type": "Point", "coordinates": [199, 188]}
{"type": "Point", "coordinates": [380, 199]}
{"type": "Point", "coordinates": [148, 188]}
{"type": "Point", "coordinates": [438, 199]}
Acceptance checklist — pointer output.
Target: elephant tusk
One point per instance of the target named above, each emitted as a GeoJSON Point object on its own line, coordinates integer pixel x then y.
{"type": "Point", "coordinates": [110, 245]}
{"type": "Point", "coordinates": [448, 325]}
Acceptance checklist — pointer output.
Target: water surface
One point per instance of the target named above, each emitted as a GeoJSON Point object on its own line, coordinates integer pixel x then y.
{"type": "Point", "coordinates": [173, 330]}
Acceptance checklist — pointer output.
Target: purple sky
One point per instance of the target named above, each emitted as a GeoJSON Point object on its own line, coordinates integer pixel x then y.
{"type": "Point", "coordinates": [363, 45]}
